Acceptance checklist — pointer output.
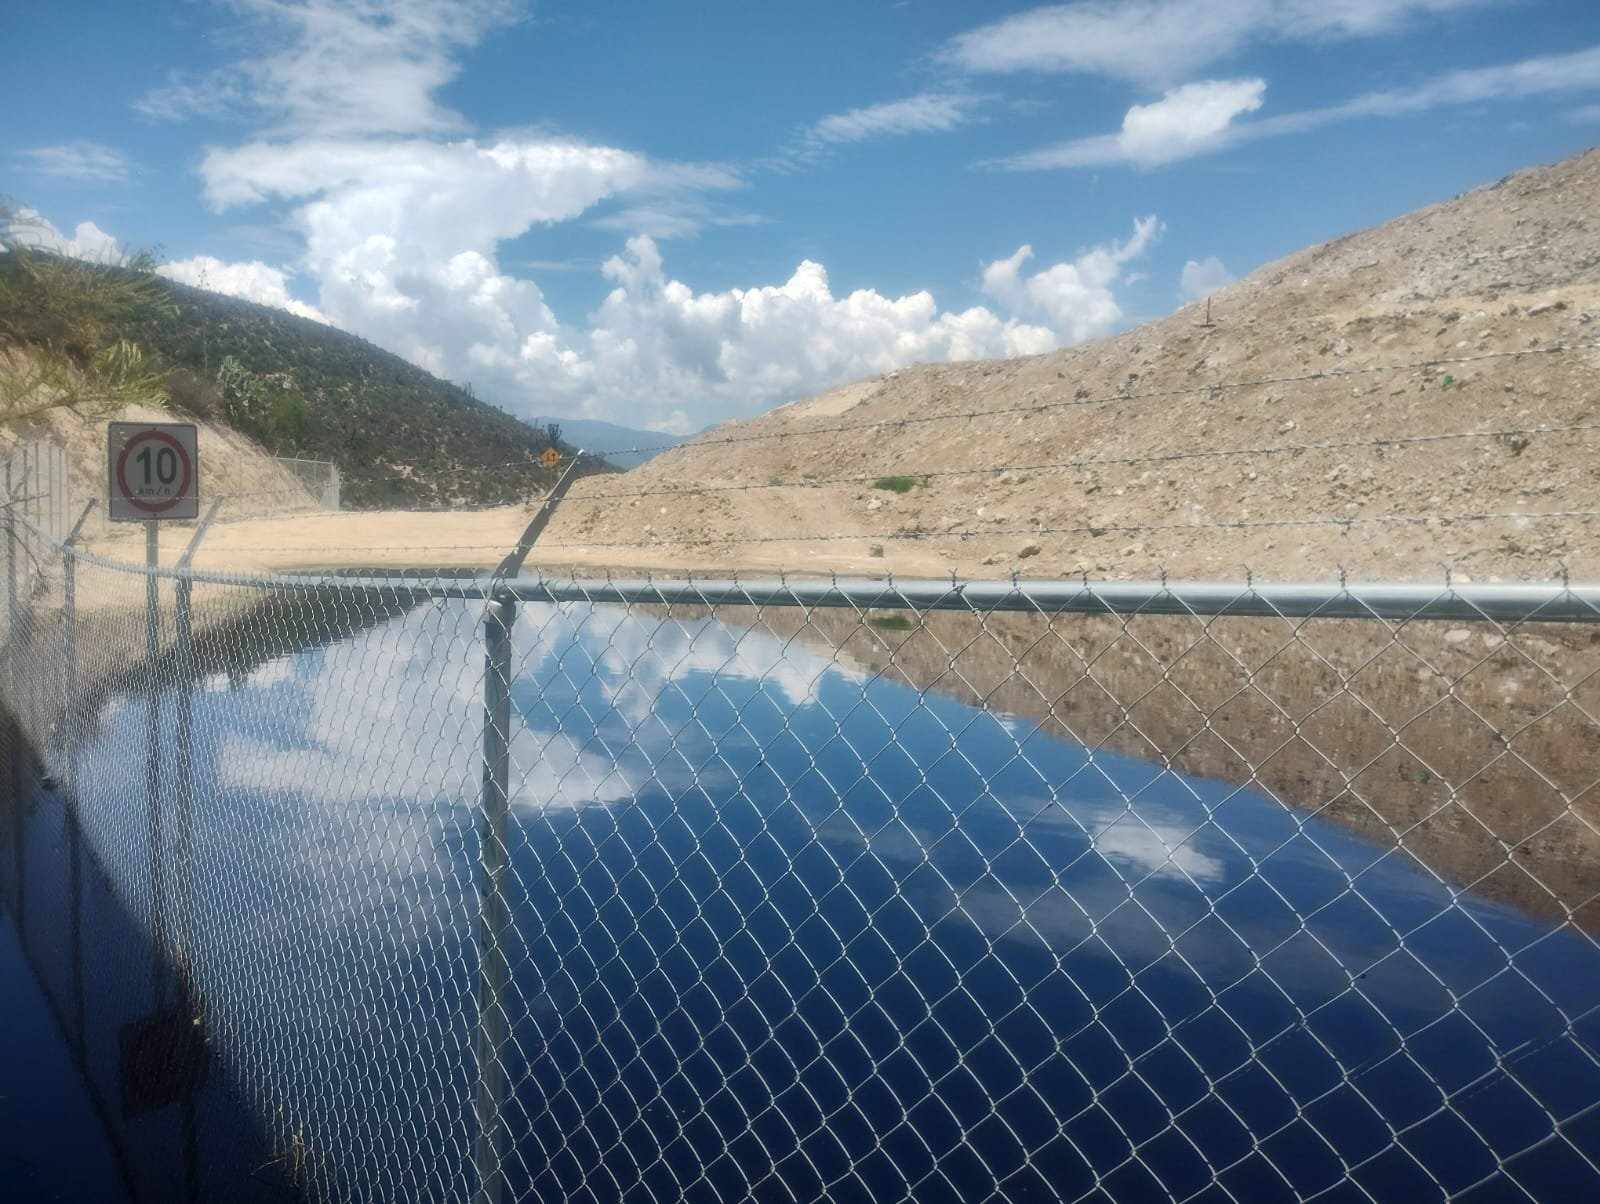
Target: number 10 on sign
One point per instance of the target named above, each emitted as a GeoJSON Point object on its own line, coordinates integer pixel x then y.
{"type": "Point", "coordinates": [153, 471]}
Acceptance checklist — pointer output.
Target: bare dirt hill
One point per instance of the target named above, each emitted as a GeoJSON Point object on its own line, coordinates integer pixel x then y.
{"type": "Point", "coordinates": [1117, 458]}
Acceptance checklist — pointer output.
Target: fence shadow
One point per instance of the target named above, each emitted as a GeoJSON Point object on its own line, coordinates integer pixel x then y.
{"type": "Point", "coordinates": [179, 1126]}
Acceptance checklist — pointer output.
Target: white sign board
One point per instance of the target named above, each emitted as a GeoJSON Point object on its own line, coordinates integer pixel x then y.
{"type": "Point", "coordinates": [153, 470]}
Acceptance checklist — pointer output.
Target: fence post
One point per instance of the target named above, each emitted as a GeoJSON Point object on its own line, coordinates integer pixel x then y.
{"type": "Point", "coordinates": [69, 732]}
{"type": "Point", "coordinates": [152, 773]}
{"type": "Point", "coordinates": [183, 770]}
{"type": "Point", "coordinates": [12, 721]}
{"type": "Point", "coordinates": [70, 725]}
{"type": "Point", "coordinates": [493, 971]}
{"type": "Point", "coordinates": [11, 575]}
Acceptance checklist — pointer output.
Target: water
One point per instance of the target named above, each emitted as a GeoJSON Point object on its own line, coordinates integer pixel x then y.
{"type": "Point", "coordinates": [790, 930]}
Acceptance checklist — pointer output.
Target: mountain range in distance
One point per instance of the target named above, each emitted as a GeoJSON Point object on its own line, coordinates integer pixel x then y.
{"type": "Point", "coordinates": [624, 446]}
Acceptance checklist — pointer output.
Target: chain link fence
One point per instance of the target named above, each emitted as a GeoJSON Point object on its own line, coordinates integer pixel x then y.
{"type": "Point", "coordinates": [413, 887]}
{"type": "Point", "coordinates": [320, 477]}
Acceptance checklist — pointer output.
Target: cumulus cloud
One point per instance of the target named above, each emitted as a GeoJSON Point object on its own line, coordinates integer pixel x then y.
{"type": "Point", "coordinates": [30, 228]}
{"type": "Point", "coordinates": [655, 342]}
{"type": "Point", "coordinates": [82, 162]}
{"type": "Point", "coordinates": [402, 238]}
{"type": "Point", "coordinates": [1074, 299]}
{"type": "Point", "coordinates": [251, 281]}
{"type": "Point", "coordinates": [1203, 277]}
{"type": "Point", "coordinates": [403, 215]}
{"type": "Point", "coordinates": [1161, 41]}
{"type": "Point", "coordinates": [1199, 118]}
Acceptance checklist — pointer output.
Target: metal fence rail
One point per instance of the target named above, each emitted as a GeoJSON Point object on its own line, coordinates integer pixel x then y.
{"type": "Point", "coordinates": [527, 888]}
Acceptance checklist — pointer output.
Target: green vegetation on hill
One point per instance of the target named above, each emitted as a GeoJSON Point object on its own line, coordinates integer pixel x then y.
{"type": "Point", "coordinates": [400, 436]}
{"type": "Point", "coordinates": [63, 337]}
{"type": "Point", "coordinates": [93, 337]}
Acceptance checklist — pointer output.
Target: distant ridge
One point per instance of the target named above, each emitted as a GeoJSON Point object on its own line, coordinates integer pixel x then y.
{"type": "Point", "coordinates": [610, 440]}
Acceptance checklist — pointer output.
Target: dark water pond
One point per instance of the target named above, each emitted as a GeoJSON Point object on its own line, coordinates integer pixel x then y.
{"type": "Point", "coordinates": [785, 930]}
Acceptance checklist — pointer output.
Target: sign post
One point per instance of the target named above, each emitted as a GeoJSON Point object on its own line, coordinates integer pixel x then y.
{"type": "Point", "coordinates": [153, 476]}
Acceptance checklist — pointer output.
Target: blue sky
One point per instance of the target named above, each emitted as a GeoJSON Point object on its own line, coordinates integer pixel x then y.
{"type": "Point", "coordinates": [668, 215]}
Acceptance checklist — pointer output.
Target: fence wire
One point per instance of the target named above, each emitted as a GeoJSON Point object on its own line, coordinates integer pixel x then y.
{"type": "Point", "coordinates": [467, 889]}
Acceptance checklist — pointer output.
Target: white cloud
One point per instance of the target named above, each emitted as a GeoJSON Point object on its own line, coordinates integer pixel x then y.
{"type": "Point", "coordinates": [1187, 120]}
{"type": "Point", "coordinates": [31, 229]}
{"type": "Point", "coordinates": [926, 113]}
{"type": "Point", "coordinates": [84, 162]}
{"type": "Point", "coordinates": [674, 217]}
{"type": "Point", "coordinates": [1203, 277]}
{"type": "Point", "coordinates": [1161, 41]}
{"type": "Point", "coordinates": [403, 227]}
{"type": "Point", "coordinates": [251, 281]}
{"type": "Point", "coordinates": [402, 239]}
{"type": "Point", "coordinates": [1199, 118]}
{"type": "Point", "coordinates": [1073, 299]}
{"type": "Point", "coordinates": [338, 68]}
{"type": "Point", "coordinates": [654, 342]}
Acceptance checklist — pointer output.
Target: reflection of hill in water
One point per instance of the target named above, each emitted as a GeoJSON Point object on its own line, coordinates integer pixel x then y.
{"type": "Point", "coordinates": [1471, 749]}
{"type": "Point", "coordinates": [255, 627]}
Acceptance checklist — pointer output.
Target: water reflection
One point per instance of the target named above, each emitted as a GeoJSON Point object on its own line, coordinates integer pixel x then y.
{"type": "Point", "coordinates": [787, 928]}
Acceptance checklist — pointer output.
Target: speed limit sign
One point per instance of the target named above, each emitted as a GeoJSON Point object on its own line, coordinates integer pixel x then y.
{"type": "Point", "coordinates": [153, 470]}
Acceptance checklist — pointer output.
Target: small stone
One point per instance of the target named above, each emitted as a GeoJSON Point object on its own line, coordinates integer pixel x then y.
{"type": "Point", "coordinates": [875, 550]}
{"type": "Point", "coordinates": [1027, 550]}
{"type": "Point", "coordinates": [1457, 635]}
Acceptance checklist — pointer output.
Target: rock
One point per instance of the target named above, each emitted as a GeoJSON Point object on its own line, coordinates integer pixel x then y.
{"type": "Point", "coordinates": [875, 504]}
{"type": "Point", "coordinates": [1457, 635]}
{"type": "Point", "coordinates": [875, 550]}
{"type": "Point", "coordinates": [1027, 550]}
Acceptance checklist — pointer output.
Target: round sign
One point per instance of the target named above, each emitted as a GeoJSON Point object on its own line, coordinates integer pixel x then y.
{"type": "Point", "coordinates": [161, 471]}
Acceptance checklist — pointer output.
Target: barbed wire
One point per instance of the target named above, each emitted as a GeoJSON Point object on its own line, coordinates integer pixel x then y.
{"type": "Point", "coordinates": [1094, 530]}
{"type": "Point", "coordinates": [1094, 462]}
{"type": "Point", "coordinates": [697, 443]}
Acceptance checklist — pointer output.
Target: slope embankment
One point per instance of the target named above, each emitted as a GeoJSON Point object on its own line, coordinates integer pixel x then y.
{"type": "Point", "coordinates": [1416, 395]}
{"type": "Point", "coordinates": [1414, 398]}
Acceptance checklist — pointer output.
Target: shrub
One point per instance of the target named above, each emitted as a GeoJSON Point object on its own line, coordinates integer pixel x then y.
{"type": "Point", "coordinates": [191, 393]}
{"type": "Point", "coordinates": [899, 484]}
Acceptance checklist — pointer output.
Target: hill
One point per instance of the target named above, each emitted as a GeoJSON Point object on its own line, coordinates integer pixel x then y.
{"type": "Point", "coordinates": [402, 438]}
{"type": "Point", "coordinates": [1414, 395]}
{"type": "Point", "coordinates": [615, 443]}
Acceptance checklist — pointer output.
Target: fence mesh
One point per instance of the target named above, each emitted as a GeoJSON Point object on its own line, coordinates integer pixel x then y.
{"type": "Point", "coordinates": [845, 893]}
{"type": "Point", "coordinates": [320, 477]}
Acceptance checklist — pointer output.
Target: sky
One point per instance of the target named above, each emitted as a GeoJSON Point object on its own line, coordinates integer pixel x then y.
{"type": "Point", "coordinates": [668, 215]}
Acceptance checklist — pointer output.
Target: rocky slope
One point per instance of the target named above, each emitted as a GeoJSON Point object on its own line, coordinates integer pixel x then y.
{"type": "Point", "coordinates": [1348, 407]}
